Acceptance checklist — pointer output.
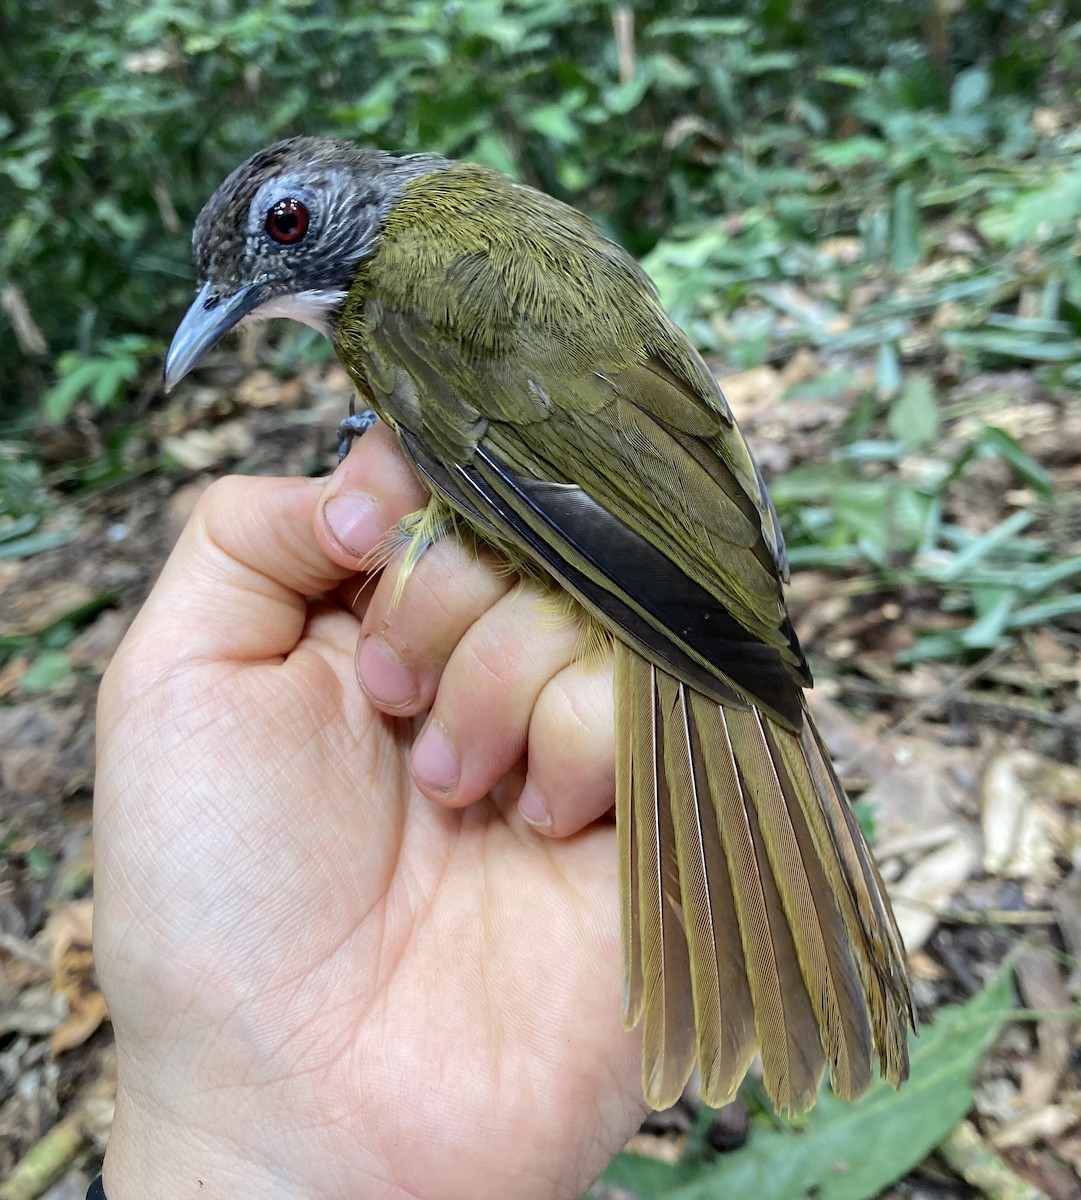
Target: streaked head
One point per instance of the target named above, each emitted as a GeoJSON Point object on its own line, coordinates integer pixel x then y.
{"type": "Point", "coordinates": [283, 236]}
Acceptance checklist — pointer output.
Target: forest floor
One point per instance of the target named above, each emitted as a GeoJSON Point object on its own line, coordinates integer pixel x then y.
{"type": "Point", "coordinates": [966, 772]}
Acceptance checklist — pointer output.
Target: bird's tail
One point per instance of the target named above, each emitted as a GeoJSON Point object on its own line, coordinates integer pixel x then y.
{"type": "Point", "coordinates": [754, 919]}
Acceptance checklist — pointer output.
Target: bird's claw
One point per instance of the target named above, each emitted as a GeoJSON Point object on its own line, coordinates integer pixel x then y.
{"type": "Point", "coordinates": [352, 427]}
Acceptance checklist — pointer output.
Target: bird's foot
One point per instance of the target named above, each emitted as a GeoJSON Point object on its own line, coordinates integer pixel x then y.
{"type": "Point", "coordinates": [352, 427]}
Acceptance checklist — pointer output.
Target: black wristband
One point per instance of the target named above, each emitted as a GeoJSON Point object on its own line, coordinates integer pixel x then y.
{"type": "Point", "coordinates": [96, 1191]}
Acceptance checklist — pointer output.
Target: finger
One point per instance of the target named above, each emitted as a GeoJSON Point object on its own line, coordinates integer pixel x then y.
{"type": "Point", "coordinates": [235, 586]}
{"type": "Point", "coordinates": [479, 722]}
{"type": "Point", "coordinates": [368, 494]}
{"type": "Point", "coordinates": [571, 776]}
{"type": "Point", "coordinates": [408, 639]}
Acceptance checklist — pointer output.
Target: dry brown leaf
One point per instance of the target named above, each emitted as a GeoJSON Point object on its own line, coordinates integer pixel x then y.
{"type": "Point", "coordinates": [748, 391]}
{"type": "Point", "coordinates": [1022, 830]}
{"type": "Point", "coordinates": [1039, 1126]}
{"type": "Point", "coordinates": [803, 365]}
{"type": "Point", "coordinates": [925, 892]}
{"type": "Point", "coordinates": [846, 737]}
{"type": "Point", "coordinates": [35, 1011]}
{"type": "Point", "coordinates": [1066, 901]}
{"type": "Point", "coordinates": [261, 389]}
{"type": "Point", "coordinates": [182, 504]}
{"type": "Point", "coordinates": [36, 739]}
{"type": "Point", "coordinates": [1043, 989]}
{"type": "Point", "coordinates": [660, 1149]}
{"type": "Point", "coordinates": [69, 934]}
{"type": "Point", "coordinates": [22, 963]}
{"type": "Point", "coordinates": [922, 966]}
{"type": "Point", "coordinates": [98, 642]}
{"type": "Point", "coordinates": [45, 603]}
{"type": "Point", "coordinates": [842, 249]}
{"type": "Point", "coordinates": [919, 791]}
{"type": "Point", "coordinates": [199, 449]}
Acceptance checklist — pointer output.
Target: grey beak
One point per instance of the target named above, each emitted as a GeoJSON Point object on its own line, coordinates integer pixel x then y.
{"type": "Point", "coordinates": [206, 322]}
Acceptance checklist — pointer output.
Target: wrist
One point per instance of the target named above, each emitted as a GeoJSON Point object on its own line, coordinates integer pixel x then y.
{"type": "Point", "coordinates": [156, 1151]}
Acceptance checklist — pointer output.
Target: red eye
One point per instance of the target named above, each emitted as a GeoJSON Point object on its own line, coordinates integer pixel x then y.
{"type": "Point", "coordinates": [287, 221]}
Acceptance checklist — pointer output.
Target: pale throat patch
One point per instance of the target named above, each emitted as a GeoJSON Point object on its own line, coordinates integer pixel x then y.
{"type": "Point", "coordinates": [312, 308]}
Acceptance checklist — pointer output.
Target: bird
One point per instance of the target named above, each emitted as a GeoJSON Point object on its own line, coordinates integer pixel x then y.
{"type": "Point", "coordinates": [555, 412]}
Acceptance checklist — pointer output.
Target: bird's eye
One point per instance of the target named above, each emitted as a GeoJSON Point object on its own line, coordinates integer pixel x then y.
{"type": "Point", "coordinates": [287, 221]}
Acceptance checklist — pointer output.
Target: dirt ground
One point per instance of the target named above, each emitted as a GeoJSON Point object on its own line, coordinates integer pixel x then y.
{"type": "Point", "coordinates": [969, 772]}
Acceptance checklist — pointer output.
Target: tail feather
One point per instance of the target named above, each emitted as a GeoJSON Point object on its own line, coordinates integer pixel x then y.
{"type": "Point", "coordinates": [627, 841]}
{"type": "Point", "coordinates": [667, 1006]}
{"type": "Point", "coordinates": [753, 910]}
{"type": "Point", "coordinates": [826, 963]}
{"type": "Point", "coordinates": [785, 1021]}
{"type": "Point", "coordinates": [872, 928]}
{"type": "Point", "coordinates": [724, 1013]}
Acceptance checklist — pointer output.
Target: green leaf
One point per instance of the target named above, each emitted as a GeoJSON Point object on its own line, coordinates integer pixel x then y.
{"type": "Point", "coordinates": [887, 371]}
{"type": "Point", "coordinates": [36, 543]}
{"type": "Point", "coordinates": [1006, 446]}
{"type": "Point", "coordinates": [552, 122]}
{"type": "Point", "coordinates": [994, 606]}
{"type": "Point", "coordinates": [39, 862]}
{"type": "Point", "coordinates": [845, 76]}
{"type": "Point", "coordinates": [970, 89]}
{"type": "Point", "coordinates": [982, 547]}
{"type": "Point", "coordinates": [850, 151]}
{"type": "Point", "coordinates": [848, 1151]}
{"type": "Point", "coordinates": [48, 671]}
{"type": "Point", "coordinates": [904, 228]}
{"type": "Point", "coordinates": [914, 418]}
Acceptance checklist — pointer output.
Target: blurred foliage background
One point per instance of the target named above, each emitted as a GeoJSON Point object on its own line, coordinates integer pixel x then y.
{"type": "Point", "coordinates": [117, 119]}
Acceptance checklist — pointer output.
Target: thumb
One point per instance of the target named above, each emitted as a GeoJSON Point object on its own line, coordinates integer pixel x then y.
{"type": "Point", "coordinates": [236, 584]}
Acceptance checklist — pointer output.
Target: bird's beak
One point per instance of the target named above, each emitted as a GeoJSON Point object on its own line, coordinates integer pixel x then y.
{"type": "Point", "coordinates": [206, 322]}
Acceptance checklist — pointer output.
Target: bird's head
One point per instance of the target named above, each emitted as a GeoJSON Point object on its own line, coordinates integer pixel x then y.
{"type": "Point", "coordinates": [284, 235]}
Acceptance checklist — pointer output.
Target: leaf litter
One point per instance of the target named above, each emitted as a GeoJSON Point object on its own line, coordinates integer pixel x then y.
{"type": "Point", "coordinates": [919, 441]}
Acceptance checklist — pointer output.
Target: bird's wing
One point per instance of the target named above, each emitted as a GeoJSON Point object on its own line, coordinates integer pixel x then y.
{"type": "Point", "coordinates": [644, 521]}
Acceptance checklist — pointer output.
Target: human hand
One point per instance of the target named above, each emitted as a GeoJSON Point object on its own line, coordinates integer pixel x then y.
{"type": "Point", "coordinates": [326, 979]}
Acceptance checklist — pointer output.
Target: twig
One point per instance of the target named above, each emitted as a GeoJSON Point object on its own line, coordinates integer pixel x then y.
{"type": "Point", "coordinates": [999, 916]}
{"type": "Point", "coordinates": [53, 1153]}
{"type": "Point", "coordinates": [45, 1159]}
{"type": "Point", "coordinates": [973, 1159]}
{"type": "Point", "coordinates": [933, 704]}
{"type": "Point", "coordinates": [623, 25]}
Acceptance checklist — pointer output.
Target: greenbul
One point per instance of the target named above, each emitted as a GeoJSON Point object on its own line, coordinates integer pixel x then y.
{"type": "Point", "coordinates": [556, 412]}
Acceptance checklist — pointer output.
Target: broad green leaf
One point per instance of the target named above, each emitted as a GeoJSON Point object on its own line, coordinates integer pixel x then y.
{"type": "Point", "coordinates": [848, 1151]}
{"type": "Point", "coordinates": [1008, 344]}
{"type": "Point", "coordinates": [492, 149]}
{"type": "Point", "coordinates": [553, 122]}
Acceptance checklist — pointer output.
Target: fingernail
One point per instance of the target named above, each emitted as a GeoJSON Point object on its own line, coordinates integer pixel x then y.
{"type": "Point", "coordinates": [435, 764]}
{"type": "Point", "coordinates": [383, 675]}
{"type": "Point", "coordinates": [354, 522]}
{"type": "Point", "coordinates": [532, 806]}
